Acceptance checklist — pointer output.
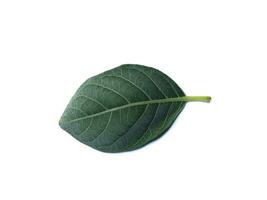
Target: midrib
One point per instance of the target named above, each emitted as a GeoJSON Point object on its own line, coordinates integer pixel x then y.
{"type": "Point", "coordinates": [154, 101]}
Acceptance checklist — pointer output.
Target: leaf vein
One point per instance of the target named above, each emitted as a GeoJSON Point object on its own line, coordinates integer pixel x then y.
{"type": "Point", "coordinates": [127, 130]}
{"type": "Point", "coordinates": [145, 132]}
{"type": "Point", "coordinates": [89, 125]}
{"type": "Point", "coordinates": [170, 84]}
{"type": "Point", "coordinates": [168, 100]}
{"type": "Point", "coordinates": [140, 89]}
{"type": "Point", "coordinates": [107, 124]}
{"type": "Point", "coordinates": [114, 91]}
{"type": "Point", "coordinates": [91, 99]}
{"type": "Point", "coordinates": [151, 81]}
{"type": "Point", "coordinates": [74, 108]}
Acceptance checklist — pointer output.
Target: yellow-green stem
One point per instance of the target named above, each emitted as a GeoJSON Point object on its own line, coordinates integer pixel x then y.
{"type": "Point", "coordinates": [195, 98]}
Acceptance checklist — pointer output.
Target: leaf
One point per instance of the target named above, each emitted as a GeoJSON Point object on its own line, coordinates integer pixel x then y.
{"type": "Point", "coordinates": [124, 108]}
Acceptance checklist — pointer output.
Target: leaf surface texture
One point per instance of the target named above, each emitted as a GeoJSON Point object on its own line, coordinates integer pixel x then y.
{"type": "Point", "coordinates": [123, 109]}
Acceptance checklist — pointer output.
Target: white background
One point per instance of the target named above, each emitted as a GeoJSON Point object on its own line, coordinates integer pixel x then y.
{"type": "Point", "coordinates": [213, 151]}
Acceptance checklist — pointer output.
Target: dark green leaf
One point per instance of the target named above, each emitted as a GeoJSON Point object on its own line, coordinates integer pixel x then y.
{"type": "Point", "coordinates": [124, 108]}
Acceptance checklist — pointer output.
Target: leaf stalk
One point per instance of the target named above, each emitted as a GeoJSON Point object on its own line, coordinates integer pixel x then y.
{"type": "Point", "coordinates": [206, 99]}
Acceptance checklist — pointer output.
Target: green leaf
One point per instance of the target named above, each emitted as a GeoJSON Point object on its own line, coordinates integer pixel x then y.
{"type": "Point", "coordinates": [124, 108]}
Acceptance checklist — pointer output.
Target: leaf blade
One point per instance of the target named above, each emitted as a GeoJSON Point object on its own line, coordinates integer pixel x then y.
{"type": "Point", "coordinates": [129, 87]}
